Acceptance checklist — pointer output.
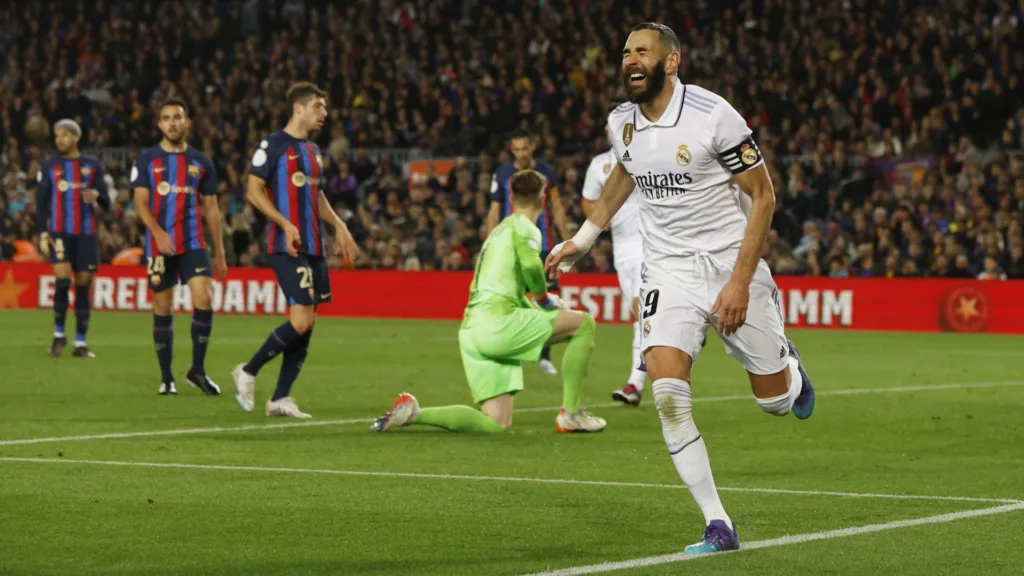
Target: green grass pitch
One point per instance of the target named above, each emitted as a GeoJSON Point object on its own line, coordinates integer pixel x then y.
{"type": "Point", "coordinates": [898, 414]}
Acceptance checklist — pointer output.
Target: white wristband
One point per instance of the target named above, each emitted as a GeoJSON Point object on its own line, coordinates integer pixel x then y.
{"type": "Point", "coordinates": [586, 236]}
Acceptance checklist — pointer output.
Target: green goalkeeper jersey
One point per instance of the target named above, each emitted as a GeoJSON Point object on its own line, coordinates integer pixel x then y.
{"type": "Point", "coordinates": [508, 266]}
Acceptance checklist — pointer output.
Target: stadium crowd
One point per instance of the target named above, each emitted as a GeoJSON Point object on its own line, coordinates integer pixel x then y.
{"type": "Point", "coordinates": [891, 128]}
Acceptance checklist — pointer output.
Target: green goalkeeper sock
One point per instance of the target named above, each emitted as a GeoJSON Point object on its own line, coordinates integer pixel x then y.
{"type": "Point", "coordinates": [458, 419]}
{"type": "Point", "coordinates": [575, 364]}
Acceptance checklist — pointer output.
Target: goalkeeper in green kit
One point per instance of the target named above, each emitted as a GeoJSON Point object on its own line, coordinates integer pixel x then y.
{"type": "Point", "coordinates": [501, 329]}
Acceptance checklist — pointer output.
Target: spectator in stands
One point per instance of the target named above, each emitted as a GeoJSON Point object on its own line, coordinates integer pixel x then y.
{"type": "Point", "coordinates": [893, 138]}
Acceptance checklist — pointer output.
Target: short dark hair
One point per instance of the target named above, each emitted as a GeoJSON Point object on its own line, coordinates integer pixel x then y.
{"type": "Point", "coordinates": [527, 186]}
{"type": "Point", "coordinates": [173, 102]}
{"type": "Point", "coordinates": [665, 34]}
{"type": "Point", "coordinates": [303, 92]}
{"type": "Point", "coordinates": [520, 133]}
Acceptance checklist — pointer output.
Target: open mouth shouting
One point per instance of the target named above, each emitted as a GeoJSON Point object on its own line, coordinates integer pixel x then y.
{"type": "Point", "coordinates": [636, 78]}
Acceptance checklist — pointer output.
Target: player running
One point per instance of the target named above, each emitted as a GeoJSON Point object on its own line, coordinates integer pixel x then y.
{"type": "Point", "coordinates": [284, 184]}
{"type": "Point", "coordinates": [175, 189]}
{"type": "Point", "coordinates": [70, 188]}
{"type": "Point", "coordinates": [521, 144]}
{"type": "Point", "coordinates": [628, 256]}
{"type": "Point", "coordinates": [706, 204]}
{"type": "Point", "coordinates": [501, 329]}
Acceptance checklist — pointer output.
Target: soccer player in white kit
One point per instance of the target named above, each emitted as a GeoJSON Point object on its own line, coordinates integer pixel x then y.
{"type": "Point", "coordinates": [628, 257]}
{"type": "Point", "coordinates": [706, 204]}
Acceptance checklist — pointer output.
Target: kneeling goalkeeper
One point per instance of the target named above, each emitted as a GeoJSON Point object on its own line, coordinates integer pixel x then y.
{"type": "Point", "coordinates": [501, 329]}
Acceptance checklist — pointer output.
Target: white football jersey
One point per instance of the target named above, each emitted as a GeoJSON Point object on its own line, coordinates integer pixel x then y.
{"type": "Point", "coordinates": [626, 241]}
{"type": "Point", "coordinates": [682, 165]}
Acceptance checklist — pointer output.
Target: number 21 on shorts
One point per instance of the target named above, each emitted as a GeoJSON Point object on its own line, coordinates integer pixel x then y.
{"type": "Point", "coordinates": [305, 277]}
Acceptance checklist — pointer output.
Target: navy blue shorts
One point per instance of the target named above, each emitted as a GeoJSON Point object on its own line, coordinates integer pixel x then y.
{"type": "Point", "coordinates": [165, 271]}
{"type": "Point", "coordinates": [303, 278]}
{"type": "Point", "coordinates": [78, 250]}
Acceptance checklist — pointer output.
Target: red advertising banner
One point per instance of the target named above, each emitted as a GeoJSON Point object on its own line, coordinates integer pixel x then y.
{"type": "Point", "coordinates": [919, 305]}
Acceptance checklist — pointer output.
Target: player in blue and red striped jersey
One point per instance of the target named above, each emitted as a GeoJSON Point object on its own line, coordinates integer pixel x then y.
{"type": "Point", "coordinates": [175, 189]}
{"type": "Point", "coordinates": [284, 184]}
{"type": "Point", "coordinates": [552, 213]}
{"type": "Point", "coordinates": [70, 188]}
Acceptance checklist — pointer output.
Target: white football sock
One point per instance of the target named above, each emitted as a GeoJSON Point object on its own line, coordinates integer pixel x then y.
{"type": "Point", "coordinates": [637, 377]}
{"type": "Point", "coordinates": [781, 405]}
{"type": "Point", "coordinates": [689, 453]}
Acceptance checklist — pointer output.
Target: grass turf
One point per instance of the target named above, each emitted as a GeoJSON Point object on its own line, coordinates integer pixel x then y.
{"type": "Point", "coordinates": [961, 437]}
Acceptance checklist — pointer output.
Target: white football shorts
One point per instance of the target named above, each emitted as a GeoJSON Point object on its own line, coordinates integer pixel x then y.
{"type": "Point", "coordinates": [675, 310]}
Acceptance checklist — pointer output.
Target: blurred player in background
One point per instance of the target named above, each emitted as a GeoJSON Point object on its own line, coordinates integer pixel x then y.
{"type": "Point", "coordinates": [175, 189]}
{"type": "Point", "coordinates": [706, 204]}
{"type": "Point", "coordinates": [521, 144]}
{"type": "Point", "coordinates": [70, 188]}
{"type": "Point", "coordinates": [628, 256]}
{"type": "Point", "coordinates": [501, 329]}
{"type": "Point", "coordinates": [284, 184]}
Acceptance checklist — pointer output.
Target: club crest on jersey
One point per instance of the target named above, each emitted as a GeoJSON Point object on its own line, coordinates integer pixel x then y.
{"type": "Point", "coordinates": [748, 154]}
{"type": "Point", "coordinates": [62, 185]}
{"type": "Point", "coordinates": [683, 156]}
{"type": "Point", "coordinates": [85, 171]}
{"type": "Point", "coordinates": [627, 134]}
{"type": "Point", "coordinates": [299, 179]}
{"type": "Point", "coordinates": [163, 188]}
{"type": "Point", "coordinates": [193, 170]}
{"type": "Point", "coordinates": [607, 168]}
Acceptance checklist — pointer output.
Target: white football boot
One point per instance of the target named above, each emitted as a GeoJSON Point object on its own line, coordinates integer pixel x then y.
{"type": "Point", "coordinates": [285, 408]}
{"type": "Point", "coordinates": [403, 413]}
{"type": "Point", "coordinates": [547, 367]}
{"type": "Point", "coordinates": [245, 386]}
{"type": "Point", "coordinates": [581, 421]}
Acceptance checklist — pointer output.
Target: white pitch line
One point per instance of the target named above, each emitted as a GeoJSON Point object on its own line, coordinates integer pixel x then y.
{"type": "Point", "coordinates": [706, 400]}
{"type": "Point", "coordinates": [784, 541]}
{"type": "Point", "coordinates": [467, 477]}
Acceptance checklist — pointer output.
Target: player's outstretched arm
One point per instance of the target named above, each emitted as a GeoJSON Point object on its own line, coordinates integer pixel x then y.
{"type": "Point", "coordinates": [160, 236]}
{"type": "Point", "coordinates": [256, 194]}
{"type": "Point", "coordinates": [344, 245]}
{"type": "Point", "coordinates": [211, 212]}
{"type": "Point", "coordinates": [731, 304]}
{"type": "Point", "coordinates": [757, 184]}
{"type": "Point", "coordinates": [43, 212]}
{"type": "Point", "coordinates": [493, 215]}
{"type": "Point", "coordinates": [100, 195]}
{"type": "Point", "coordinates": [614, 194]}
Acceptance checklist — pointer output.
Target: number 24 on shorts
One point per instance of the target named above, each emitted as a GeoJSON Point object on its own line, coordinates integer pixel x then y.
{"type": "Point", "coordinates": [155, 265]}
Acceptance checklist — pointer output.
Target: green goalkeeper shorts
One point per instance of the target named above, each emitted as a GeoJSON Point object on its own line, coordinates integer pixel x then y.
{"type": "Point", "coordinates": [494, 347]}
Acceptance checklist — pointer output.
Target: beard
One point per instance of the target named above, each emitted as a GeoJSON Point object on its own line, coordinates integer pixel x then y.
{"type": "Point", "coordinates": [655, 82]}
{"type": "Point", "coordinates": [174, 141]}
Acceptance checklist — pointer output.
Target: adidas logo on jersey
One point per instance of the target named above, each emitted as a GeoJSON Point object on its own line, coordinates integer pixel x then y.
{"type": "Point", "coordinates": [625, 157]}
